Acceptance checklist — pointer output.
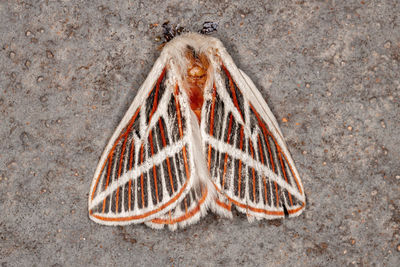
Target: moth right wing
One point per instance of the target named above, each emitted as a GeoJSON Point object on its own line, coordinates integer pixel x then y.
{"type": "Point", "coordinates": [248, 160]}
{"type": "Point", "coordinates": [147, 167]}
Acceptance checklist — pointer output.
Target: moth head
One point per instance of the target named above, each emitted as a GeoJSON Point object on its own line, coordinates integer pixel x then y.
{"type": "Point", "coordinates": [197, 67]}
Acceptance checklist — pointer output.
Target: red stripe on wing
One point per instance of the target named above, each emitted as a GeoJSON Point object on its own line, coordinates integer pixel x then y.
{"type": "Point", "coordinates": [263, 177]}
{"type": "Point", "coordinates": [266, 133]}
{"type": "Point", "coordinates": [228, 206]}
{"type": "Point", "coordinates": [240, 163]}
{"type": "Point", "coordinates": [168, 162]}
{"type": "Point", "coordinates": [253, 172]}
{"type": "Point", "coordinates": [265, 211]}
{"type": "Point", "coordinates": [112, 150]}
{"type": "Point", "coordinates": [188, 213]}
{"type": "Point", "coordinates": [155, 106]}
{"type": "Point", "coordinates": [232, 88]}
{"type": "Point", "coordinates": [141, 176]}
{"type": "Point", "coordinates": [180, 126]}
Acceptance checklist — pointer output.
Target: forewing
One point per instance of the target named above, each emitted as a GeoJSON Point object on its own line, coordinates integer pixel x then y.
{"type": "Point", "coordinates": [247, 157]}
{"type": "Point", "coordinates": [146, 168]}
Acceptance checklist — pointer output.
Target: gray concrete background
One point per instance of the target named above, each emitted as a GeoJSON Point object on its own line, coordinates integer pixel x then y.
{"type": "Point", "coordinates": [329, 70]}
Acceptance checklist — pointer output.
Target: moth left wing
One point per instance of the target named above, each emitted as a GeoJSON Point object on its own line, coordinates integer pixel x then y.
{"type": "Point", "coordinates": [147, 168]}
{"type": "Point", "coordinates": [247, 157]}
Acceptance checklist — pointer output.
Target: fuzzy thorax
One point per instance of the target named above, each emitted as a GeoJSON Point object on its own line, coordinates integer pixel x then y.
{"type": "Point", "coordinates": [192, 56]}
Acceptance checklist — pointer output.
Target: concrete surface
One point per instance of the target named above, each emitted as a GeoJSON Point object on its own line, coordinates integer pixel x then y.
{"type": "Point", "coordinates": [329, 70]}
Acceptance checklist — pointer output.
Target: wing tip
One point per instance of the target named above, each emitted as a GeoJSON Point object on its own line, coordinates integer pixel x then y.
{"type": "Point", "coordinates": [291, 212]}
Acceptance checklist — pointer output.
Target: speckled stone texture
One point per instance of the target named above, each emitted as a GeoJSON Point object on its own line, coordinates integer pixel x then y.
{"type": "Point", "coordinates": [329, 70]}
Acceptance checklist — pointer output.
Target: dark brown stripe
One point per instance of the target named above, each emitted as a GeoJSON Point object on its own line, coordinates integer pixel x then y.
{"type": "Point", "coordinates": [253, 171]}
{"type": "Point", "coordinates": [263, 177]}
{"type": "Point", "coordinates": [168, 162]}
{"type": "Point", "coordinates": [226, 155]}
{"type": "Point", "coordinates": [154, 167]}
{"type": "Point", "coordinates": [180, 126]}
{"type": "Point", "coordinates": [284, 174]}
{"type": "Point", "coordinates": [141, 176]}
{"type": "Point", "coordinates": [240, 163]}
{"type": "Point", "coordinates": [129, 195]}
{"type": "Point", "coordinates": [231, 85]}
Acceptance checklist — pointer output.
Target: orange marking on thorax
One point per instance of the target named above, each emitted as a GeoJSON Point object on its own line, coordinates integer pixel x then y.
{"type": "Point", "coordinates": [196, 78]}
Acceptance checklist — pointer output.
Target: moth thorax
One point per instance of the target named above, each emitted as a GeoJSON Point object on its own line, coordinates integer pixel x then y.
{"type": "Point", "coordinates": [196, 78]}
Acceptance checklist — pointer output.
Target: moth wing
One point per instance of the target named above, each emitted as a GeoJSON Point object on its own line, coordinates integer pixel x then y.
{"type": "Point", "coordinates": [147, 167]}
{"type": "Point", "coordinates": [189, 211]}
{"type": "Point", "coordinates": [247, 156]}
{"type": "Point", "coordinates": [196, 203]}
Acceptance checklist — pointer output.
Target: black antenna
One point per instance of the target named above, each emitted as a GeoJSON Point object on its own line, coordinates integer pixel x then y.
{"type": "Point", "coordinates": [209, 27]}
{"type": "Point", "coordinates": [170, 32]}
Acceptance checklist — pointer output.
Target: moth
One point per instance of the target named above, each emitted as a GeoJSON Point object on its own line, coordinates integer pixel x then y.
{"type": "Point", "coordinates": [197, 137]}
